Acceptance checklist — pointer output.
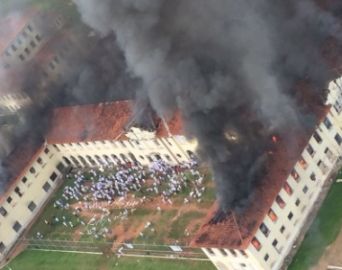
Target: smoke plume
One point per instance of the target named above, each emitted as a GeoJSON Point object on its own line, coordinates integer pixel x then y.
{"type": "Point", "coordinates": [229, 67]}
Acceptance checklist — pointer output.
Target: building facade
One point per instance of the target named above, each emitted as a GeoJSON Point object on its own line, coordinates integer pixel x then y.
{"type": "Point", "coordinates": [287, 213]}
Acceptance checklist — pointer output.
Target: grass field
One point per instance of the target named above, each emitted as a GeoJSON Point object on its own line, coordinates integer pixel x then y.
{"type": "Point", "coordinates": [323, 231]}
{"type": "Point", "coordinates": [170, 224]}
{"type": "Point", "coordinates": [41, 260]}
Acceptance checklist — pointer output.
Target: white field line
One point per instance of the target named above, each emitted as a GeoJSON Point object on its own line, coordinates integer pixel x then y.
{"type": "Point", "coordinates": [67, 251]}
{"type": "Point", "coordinates": [164, 257]}
{"type": "Point", "coordinates": [333, 267]}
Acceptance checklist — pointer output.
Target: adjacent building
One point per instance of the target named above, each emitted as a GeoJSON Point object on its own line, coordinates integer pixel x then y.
{"type": "Point", "coordinates": [262, 236]}
{"type": "Point", "coordinates": [90, 135]}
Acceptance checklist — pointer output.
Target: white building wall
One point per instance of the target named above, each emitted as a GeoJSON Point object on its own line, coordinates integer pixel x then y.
{"type": "Point", "coordinates": [46, 164]}
{"type": "Point", "coordinates": [31, 189]}
{"type": "Point", "coordinates": [278, 239]}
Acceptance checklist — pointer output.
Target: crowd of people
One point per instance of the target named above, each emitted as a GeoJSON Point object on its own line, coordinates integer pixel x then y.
{"type": "Point", "coordinates": [96, 189]}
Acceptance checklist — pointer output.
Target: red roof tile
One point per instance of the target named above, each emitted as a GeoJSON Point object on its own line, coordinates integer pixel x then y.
{"type": "Point", "coordinates": [238, 229]}
{"type": "Point", "coordinates": [105, 121]}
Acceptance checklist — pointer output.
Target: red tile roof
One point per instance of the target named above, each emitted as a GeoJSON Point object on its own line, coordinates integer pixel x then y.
{"type": "Point", "coordinates": [104, 121]}
{"type": "Point", "coordinates": [238, 229]}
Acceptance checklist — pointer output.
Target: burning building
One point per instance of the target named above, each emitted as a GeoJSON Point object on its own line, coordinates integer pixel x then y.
{"type": "Point", "coordinates": [79, 136]}
{"type": "Point", "coordinates": [258, 237]}
{"type": "Point", "coordinates": [263, 234]}
{"type": "Point", "coordinates": [23, 35]}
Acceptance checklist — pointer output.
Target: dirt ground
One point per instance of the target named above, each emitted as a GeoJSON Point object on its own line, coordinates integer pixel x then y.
{"type": "Point", "coordinates": [331, 256]}
{"type": "Point", "coordinates": [125, 232]}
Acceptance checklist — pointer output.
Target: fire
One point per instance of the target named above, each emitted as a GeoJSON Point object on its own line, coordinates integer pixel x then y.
{"type": "Point", "coordinates": [274, 139]}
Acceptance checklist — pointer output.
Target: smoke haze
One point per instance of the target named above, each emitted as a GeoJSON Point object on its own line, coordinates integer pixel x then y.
{"type": "Point", "coordinates": [229, 66]}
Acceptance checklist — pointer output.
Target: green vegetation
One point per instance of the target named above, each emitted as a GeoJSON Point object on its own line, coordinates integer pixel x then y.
{"type": "Point", "coordinates": [179, 225]}
{"type": "Point", "coordinates": [323, 231]}
{"type": "Point", "coordinates": [41, 260]}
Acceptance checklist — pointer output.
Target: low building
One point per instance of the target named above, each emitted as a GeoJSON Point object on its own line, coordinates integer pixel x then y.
{"type": "Point", "coordinates": [90, 135]}
{"type": "Point", "coordinates": [262, 236]}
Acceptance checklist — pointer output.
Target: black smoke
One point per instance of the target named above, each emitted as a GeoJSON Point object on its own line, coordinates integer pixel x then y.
{"type": "Point", "coordinates": [229, 66]}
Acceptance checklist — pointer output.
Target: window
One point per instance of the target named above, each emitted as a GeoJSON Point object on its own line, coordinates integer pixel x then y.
{"type": "Point", "coordinates": [282, 229]}
{"type": "Point", "coordinates": [313, 176]}
{"type": "Point", "coordinates": [3, 211]}
{"type": "Point", "coordinates": [123, 144]}
{"type": "Point", "coordinates": [288, 188]}
{"type": "Point", "coordinates": [29, 27]}
{"type": "Point", "coordinates": [27, 51]}
{"type": "Point", "coordinates": [210, 251]}
{"type": "Point", "coordinates": [329, 154]}
{"type": "Point", "coordinates": [32, 206]}
{"type": "Point", "coordinates": [310, 150]}
{"type": "Point", "coordinates": [256, 243]}
{"type": "Point", "coordinates": [317, 137]}
{"type": "Point", "coordinates": [303, 163]}
{"type": "Point", "coordinates": [224, 253]}
{"type": "Point", "coordinates": [305, 189]}
{"type": "Point", "coordinates": [232, 251]}
{"type": "Point", "coordinates": [22, 58]}
{"type": "Point", "coordinates": [275, 243]}
{"type": "Point", "coordinates": [290, 216]}
{"type": "Point", "coordinates": [266, 257]}
{"type": "Point", "coordinates": [280, 202]}
{"type": "Point", "coordinates": [24, 180]}
{"type": "Point", "coordinates": [38, 38]}
{"type": "Point", "coordinates": [243, 253]}
{"type": "Point", "coordinates": [297, 203]}
{"type": "Point", "coordinates": [9, 199]}
{"type": "Point", "coordinates": [327, 123]}
{"type": "Point", "coordinates": [14, 48]}
{"type": "Point", "coordinates": [46, 187]}
{"type": "Point", "coordinates": [56, 147]}
{"type": "Point", "coordinates": [40, 161]}
{"type": "Point", "coordinates": [32, 170]}
{"type": "Point", "coordinates": [18, 192]}
{"type": "Point", "coordinates": [61, 167]}
{"type": "Point", "coordinates": [243, 265]}
{"type": "Point", "coordinates": [272, 215]}
{"type": "Point", "coordinates": [53, 176]}
{"type": "Point", "coordinates": [46, 150]}
{"type": "Point", "coordinates": [2, 247]}
{"type": "Point", "coordinates": [33, 44]}
{"type": "Point", "coordinates": [338, 139]}
{"type": "Point", "coordinates": [295, 175]}
{"type": "Point", "coordinates": [322, 166]}
{"type": "Point", "coordinates": [17, 226]}
{"type": "Point", "coordinates": [264, 229]}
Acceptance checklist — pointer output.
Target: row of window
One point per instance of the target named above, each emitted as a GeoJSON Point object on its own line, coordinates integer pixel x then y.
{"type": "Point", "coordinates": [233, 252]}
{"type": "Point", "coordinates": [24, 35]}
{"type": "Point", "coordinates": [27, 50]}
{"type": "Point", "coordinates": [105, 159]}
{"type": "Point", "coordinates": [114, 143]}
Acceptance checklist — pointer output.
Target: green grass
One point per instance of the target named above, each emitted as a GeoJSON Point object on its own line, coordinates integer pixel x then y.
{"type": "Point", "coordinates": [178, 226]}
{"type": "Point", "coordinates": [40, 260]}
{"type": "Point", "coordinates": [322, 232]}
